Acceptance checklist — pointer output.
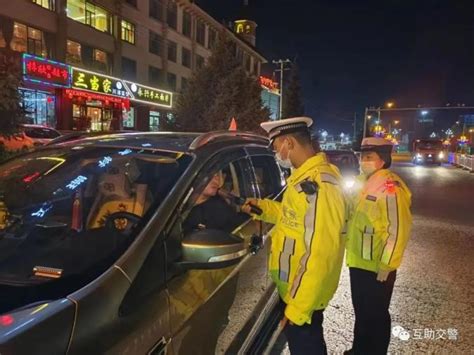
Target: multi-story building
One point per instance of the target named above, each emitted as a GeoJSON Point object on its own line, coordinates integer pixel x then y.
{"type": "Point", "coordinates": [126, 60]}
{"type": "Point", "coordinates": [271, 96]}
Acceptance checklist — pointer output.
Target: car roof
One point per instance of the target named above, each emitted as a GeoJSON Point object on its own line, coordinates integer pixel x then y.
{"type": "Point", "coordinates": [168, 141]}
{"type": "Point", "coordinates": [36, 126]}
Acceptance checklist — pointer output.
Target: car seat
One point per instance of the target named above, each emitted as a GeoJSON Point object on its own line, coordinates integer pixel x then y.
{"type": "Point", "coordinates": [117, 192]}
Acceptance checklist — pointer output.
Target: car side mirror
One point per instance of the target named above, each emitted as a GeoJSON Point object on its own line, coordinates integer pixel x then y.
{"type": "Point", "coordinates": [211, 249]}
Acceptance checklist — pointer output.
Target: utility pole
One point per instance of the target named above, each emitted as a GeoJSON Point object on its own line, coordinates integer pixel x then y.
{"type": "Point", "coordinates": [355, 127]}
{"type": "Point", "coordinates": [364, 131]}
{"type": "Point", "coordinates": [282, 69]}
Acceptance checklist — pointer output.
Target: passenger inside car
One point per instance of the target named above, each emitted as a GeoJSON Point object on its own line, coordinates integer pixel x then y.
{"type": "Point", "coordinates": [211, 211]}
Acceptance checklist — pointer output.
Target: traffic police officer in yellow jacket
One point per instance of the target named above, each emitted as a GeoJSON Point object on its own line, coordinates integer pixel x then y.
{"type": "Point", "coordinates": [307, 245]}
{"type": "Point", "coordinates": [378, 232]}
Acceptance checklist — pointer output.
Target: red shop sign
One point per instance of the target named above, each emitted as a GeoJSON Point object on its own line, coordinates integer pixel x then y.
{"type": "Point", "coordinates": [125, 103]}
{"type": "Point", "coordinates": [46, 72]}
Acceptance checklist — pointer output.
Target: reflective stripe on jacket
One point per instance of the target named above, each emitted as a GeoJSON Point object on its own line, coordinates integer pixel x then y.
{"type": "Point", "coordinates": [380, 223]}
{"type": "Point", "coordinates": [307, 244]}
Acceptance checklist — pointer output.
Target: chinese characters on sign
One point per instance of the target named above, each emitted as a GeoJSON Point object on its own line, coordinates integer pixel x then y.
{"type": "Point", "coordinates": [40, 70]}
{"type": "Point", "coordinates": [149, 95]}
{"type": "Point", "coordinates": [46, 71]}
{"type": "Point", "coordinates": [269, 84]}
{"type": "Point", "coordinates": [102, 84]}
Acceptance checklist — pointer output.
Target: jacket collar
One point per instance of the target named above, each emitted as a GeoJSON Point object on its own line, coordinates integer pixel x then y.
{"type": "Point", "coordinates": [310, 164]}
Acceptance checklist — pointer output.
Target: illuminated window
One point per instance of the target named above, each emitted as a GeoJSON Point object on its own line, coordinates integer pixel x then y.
{"type": "Point", "coordinates": [201, 33]}
{"type": "Point", "coordinates": [155, 121]}
{"type": "Point", "coordinates": [38, 106]}
{"type": "Point", "coordinates": [186, 57]}
{"type": "Point", "coordinates": [89, 14]}
{"type": "Point", "coordinates": [128, 32]}
{"type": "Point", "coordinates": [28, 39]}
{"type": "Point", "coordinates": [240, 28]}
{"type": "Point", "coordinates": [172, 14]}
{"type": "Point", "coordinates": [73, 54]}
{"type": "Point", "coordinates": [100, 61]}
{"type": "Point", "coordinates": [187, 24]}
{"type": "Point", "coordinates": [129, 118]}
{"type": "Point", "coordinates": [47, 4]}
{"type": "Point", "coordinates": [172, 51]}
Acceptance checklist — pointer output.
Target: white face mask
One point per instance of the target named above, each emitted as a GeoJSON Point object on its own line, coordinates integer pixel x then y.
{"type": "Point", "coordinates": [368, 167]}
{"type": "Point", "coordinates": [284, 163]}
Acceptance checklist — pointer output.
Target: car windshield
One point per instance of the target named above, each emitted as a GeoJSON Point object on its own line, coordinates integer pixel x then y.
{"type": "Point", "coordinates": [57, 209]}
{"type": "Point", "coordinates": [41, 133]}
{"type": "Point", "coordinates": [346, 162]}
{"type": "Point", "coordinates": [429, 145]}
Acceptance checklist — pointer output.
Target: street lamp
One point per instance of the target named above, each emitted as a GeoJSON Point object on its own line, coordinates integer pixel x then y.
{"type": "Point", "coordinates": [390, 104]}
{"type": "Point", "coordinates": [424, 113]}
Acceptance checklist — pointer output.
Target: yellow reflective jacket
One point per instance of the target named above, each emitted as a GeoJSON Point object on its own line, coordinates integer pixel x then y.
{"type": "Point", "coordinates": [380, 222]}
{"type": "Point", "coordinates": [307, 244]}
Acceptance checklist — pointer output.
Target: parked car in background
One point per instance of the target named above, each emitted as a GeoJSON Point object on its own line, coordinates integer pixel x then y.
{"type": "Point", "coordinates": [95, 257]}
{"type": "Point", "coordinates": [39, 134]}
{"type": "Point", "coordinates": [71, 136]}
{"type": "Point", "coordinates": [347, 162]}
{"type": "Point", "coordinates": [17, 142]}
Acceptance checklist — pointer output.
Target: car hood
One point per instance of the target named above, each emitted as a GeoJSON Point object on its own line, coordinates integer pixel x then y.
{"type": "Point", "coordinates": [51, 321]}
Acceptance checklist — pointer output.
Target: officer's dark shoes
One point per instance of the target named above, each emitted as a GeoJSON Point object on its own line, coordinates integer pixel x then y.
{"type": "Point", "coordinates": [349, 352]}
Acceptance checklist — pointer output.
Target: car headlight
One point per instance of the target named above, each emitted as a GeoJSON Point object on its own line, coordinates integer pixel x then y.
{"type": "Point", "coordinates": [441, 155]}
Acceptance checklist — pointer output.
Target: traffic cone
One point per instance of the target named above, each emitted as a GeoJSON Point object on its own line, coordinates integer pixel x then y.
{"type": "Point", "coordinates": [233, 125]}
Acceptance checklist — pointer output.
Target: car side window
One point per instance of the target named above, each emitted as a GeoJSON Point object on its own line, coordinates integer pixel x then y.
{"type": "Point", "coordinates": [212, 203]}
{"type": "Point", "coordinates": [269, 179]}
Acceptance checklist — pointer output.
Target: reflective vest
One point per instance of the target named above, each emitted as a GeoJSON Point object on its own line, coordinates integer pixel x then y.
{"type": "Point", "coordinates": [307, 244]}
{"type": "Point", "coordinates": [380, 222]}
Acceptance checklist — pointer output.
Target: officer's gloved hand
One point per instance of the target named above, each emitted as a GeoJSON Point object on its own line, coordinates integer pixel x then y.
{"type": "Point", "coordinates": [382, 276]}
{"type": "Point", "coordinates": [247, 206]}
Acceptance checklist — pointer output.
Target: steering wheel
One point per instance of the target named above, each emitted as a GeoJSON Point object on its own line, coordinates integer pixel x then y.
{"type": "Point", "coordinates": [122, 222]}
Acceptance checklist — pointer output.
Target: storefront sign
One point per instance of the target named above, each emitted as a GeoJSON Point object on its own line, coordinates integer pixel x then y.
{"type": "Point", "coordinates": [269, 84]}
{"type": "Point", "coordinates": [148, 95]}
{"type": "Point", "coordinates": [92, 96]}
{"type": "Point", "coordinates": [45, 71]}
{"type": "Point", "coordinates": [104, 84]}
{"type": "Point", "coordinates": [98, 83]}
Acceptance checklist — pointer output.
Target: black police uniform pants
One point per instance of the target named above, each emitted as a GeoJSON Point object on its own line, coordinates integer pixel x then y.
{"type": "Point", "coordinates": [371, 300]}
{"type": "Point", "coordinates": [307, 338]}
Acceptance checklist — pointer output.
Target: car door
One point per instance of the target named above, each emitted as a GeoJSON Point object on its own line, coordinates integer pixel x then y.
{"type": "Point", "coordinates": [208, 308]}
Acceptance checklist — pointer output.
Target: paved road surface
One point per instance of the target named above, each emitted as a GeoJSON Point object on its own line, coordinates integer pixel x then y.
{"type": "Point", "coordinates": [434, 291]}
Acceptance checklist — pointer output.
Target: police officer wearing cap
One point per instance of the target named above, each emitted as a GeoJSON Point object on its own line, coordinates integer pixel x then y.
{"type": "Point", "coordinates": [378, 232]}
{"type": "Point", "coordinates": [307, 246]}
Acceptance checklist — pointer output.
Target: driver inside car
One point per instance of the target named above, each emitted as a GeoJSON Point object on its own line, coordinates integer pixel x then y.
{"type": "Point", "coordinates": [211, 211]}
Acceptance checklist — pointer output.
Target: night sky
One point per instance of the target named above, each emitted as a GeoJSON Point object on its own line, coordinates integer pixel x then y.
{"type": "Point", "coordinates": [358, 53]}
